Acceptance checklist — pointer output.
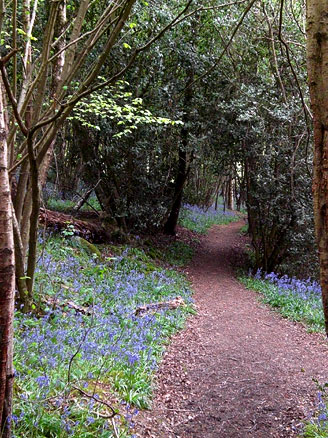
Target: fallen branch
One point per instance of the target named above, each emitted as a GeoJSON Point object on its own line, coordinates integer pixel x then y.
{"type": "Point", "coordinates": [153, 307]}
{"type": "Point", "coordinates": [98, 400]}
{"type": "Point", "coordinates": [54, 302]}
{"type": "Point", "coordinates": [84, 199]}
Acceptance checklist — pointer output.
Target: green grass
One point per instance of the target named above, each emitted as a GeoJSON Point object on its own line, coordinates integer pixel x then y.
{"type": "Point", "coordinates": [60, 204]}
{"type": "Point", "coordinates": [244, 229]}
{"type": "Point", "coordinates": [177, 254]}
{"type": "Point", "coordinates": [316, 429]}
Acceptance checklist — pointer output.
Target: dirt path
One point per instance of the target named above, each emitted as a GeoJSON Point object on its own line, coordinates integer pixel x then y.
{"type": "Point", "coordinates": [238, 369]}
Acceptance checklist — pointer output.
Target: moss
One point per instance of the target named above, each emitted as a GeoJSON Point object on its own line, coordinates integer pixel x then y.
{"type": "Point", "coordinates": [88, 247]}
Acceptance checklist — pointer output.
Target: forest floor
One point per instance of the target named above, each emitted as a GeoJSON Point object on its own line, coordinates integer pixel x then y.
{"type": "Point", "coordinates": [238, 369]}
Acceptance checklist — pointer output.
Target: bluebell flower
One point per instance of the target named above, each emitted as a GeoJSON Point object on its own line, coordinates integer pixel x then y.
{"type": "Point", "coordinates": [43, 381]}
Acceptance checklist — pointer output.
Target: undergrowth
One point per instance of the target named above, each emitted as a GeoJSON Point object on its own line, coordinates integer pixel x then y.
{"type": "Point", "coordinates": [244, 229]}
{"type": "Point", "coordinates": [199, 220]}
{"type": "Point", "coordinates": [177, 254]}
{"type": "Point", "coordinates": [66, 205]}
{"type": "Point", "coordinates": [88, 354]}
{"type": "Point", "coordinates": [317, 426]}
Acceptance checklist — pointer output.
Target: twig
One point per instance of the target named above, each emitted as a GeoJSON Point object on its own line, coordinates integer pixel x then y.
{"type": "Point", "coordinates": [7, 57]}
{"type": "Point", "coordinates": [306, 109]}
{"type": "Point", "coordinates": [76, 353]}
{"type": "Point", "coordinates": [211, 8]}
{"type": "Point", "coordinates": [114, 429]}
{"type": "Point", "coordinates": [10, 92]}
{"type": "Point", "coordinates": [93, 397]}
{"type": "Point", "coordinates": [248, 8]}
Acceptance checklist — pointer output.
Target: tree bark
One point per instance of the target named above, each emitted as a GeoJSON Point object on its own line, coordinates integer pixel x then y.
{"type": "Point", "coordinates": [317, 62]}
{"type": "Point", "coordinates": [57, 72]}
{"type": "Point", "coordinates": [7, 280]}
{"type": "Point", "coordinates": [39, 111]}
{"type": "Point", "coordinates": [172, 221]}
{"type": "Point", "coordinates": [231, 194]}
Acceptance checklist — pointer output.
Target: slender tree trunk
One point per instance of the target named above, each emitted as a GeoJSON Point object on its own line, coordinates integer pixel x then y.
{"type": "Point", "coordinates": [317, 60]}
{"type": "Point", "coordinates": [35, 111]}
{"type": "Point", "coordinates": [57, 71]}
{"type": "Point", "coordinates": [7, 280]}
{"type": "Point", "coordinates": [217, 198]}
{"type": "Point", "coordinates": [253, 225]}
{"type": "Point", "coordinates": [172, 221]}
{"type": "Point", "coordinates": [231, 194]}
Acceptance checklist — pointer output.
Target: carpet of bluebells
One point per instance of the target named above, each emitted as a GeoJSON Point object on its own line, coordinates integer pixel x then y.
{"type": "Point", "coordinates": [85, 353]}
{"type": "Point", "coordinates": [299, 300]}
{"type": "Point", "coordinates": [200, 220]}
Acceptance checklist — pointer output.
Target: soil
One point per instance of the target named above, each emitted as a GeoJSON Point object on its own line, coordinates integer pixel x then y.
{"type": "Point", "coordinates": [238, 369]}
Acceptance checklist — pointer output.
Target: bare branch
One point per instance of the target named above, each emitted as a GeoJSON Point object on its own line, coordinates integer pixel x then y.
{"type": "Point", "coordinates": [119, 74]}
{"type": "Point", "coordinates": [274, 55]}
{"type": "Point", "coordinates": [295, 19]}
{"type": "Point", "coordinates": [248, 8]}
{"type": "Point", "coordinates": [2, 13]}
{"type": "Point", "coordinates": [211, 8]}
{"type": "Point", "coordinates": [6, 58]}
{"type": "Point", "coordinates": [123, 16]}
{"type": "Point", "coordinates": [98, 400]}
{"type": "Point", "coordinates": [101, 22]}
{"type": "Point", "coordinates": [45, 122]}
{"type": "Point", "coordinates": [40, 80]}
{"type": "Point", "coordinates": [29, 33]}
{"type": "Point", "coordinates": [306, 109]}
{"type": "Point", "coordinates": [11, 95]}
{"type": "Point", "coordinates": [75, 41]}
{"type": "Point", "coordinates": [85, 89]}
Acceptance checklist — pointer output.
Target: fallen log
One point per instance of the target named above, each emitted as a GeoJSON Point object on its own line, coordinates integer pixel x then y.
{"type": "Point", "coordinates": [91, 231]}
{"type": "Point", "coordinates": [154, 307]}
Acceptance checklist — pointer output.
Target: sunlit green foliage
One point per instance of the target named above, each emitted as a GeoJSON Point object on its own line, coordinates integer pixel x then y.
{"type": "Point", "coordinates": [118, 105]}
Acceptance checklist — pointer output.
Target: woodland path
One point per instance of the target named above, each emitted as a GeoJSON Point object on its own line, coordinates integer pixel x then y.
{"type": "Point", "coordinates": [238, 369]}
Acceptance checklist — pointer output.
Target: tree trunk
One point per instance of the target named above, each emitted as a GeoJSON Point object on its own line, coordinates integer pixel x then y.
{"type": "Point", "coordinates": [231, 194]}
{"type": "Point", "coordinates": [172, 221]}
{"type": "Point", "coordinates": [317, 60]}
{"type": "Point", "coordinates": [57, 71]}
{"type": "Point", "coordinates": [7, 280]}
